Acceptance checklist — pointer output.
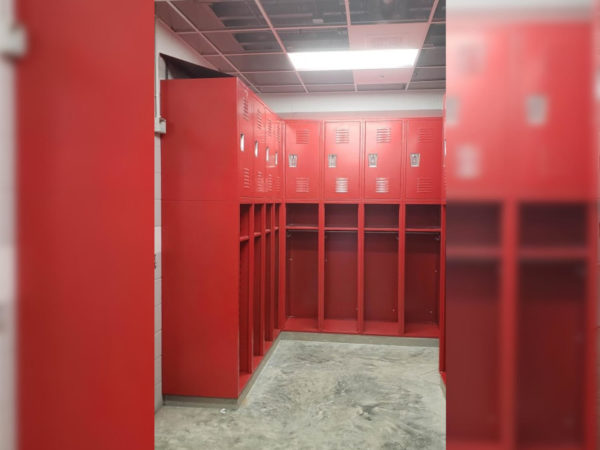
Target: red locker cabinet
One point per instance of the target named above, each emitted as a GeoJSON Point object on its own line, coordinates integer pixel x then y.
{"type": "Point", "coordinates": [272, 145]}
{"type": "Point", "coordinates": [259, 145]}
{"type": "Point", "coordinates": [423, 160]}
{"type": "Point", "coordinates": [245, 129]}
{"type": "Point", "coordinates": [302, 174]}
{"type": "Point", "coordinates": [384, 142]}
{"type": "Point", "coordinates": [342, 161]}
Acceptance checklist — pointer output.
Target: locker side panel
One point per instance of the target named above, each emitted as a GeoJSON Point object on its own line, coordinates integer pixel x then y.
{"type": "Point", "coordinates": [302, 174]}
{"type": "Point", "coordinates": [384, 143]}
{"type": "Point", "coordinates": [423, 161]}
{"type": "Point", "coordinates": [342, 161]}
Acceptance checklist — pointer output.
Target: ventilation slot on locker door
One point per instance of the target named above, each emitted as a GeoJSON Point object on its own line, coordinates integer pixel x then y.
{"type": "Point", "coordinates": [425, 135]}
{"type": "Point", "coordinates": [384, 135]}
{"type": "Point", "coordinates": [269, 183]}
{"type": "Point", "coordinates": [302, 185]}
{"type": "Point", "coordinates": [245, 109]}
{"type": "Point", "coordinates": [269, 128]}
{"type": "Point", "coordinates": [246, 178]}
{"type": "Point", "coordinates": [341, 185]}
{"type": "Point", "coordinates": [342, 136]}
{"type": "Point", "coordinates": [259, 119]}
{"type": "Point", "coordinates": [424, 185]}
{"type": "Point", "coordinates": [382, 185]}
{"type": "Point", "coordinates": [302, 137]}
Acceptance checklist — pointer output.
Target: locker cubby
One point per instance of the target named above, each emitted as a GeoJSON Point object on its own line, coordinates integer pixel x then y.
{"type": "Point", "coordinates": [276, 323]}
{"type": "Point", "coordinates": [382, 216]}
{"type": "Point", "coordinates": [423, 216]}
{"type": "Point", "coordinates": [341, 278]}
{"type": "Point", "coordinates": [473, 319]}
{"type": "Point", "coordinates": [276, 224]}
{"type": "Point", "coordinates": [381, 283]}
{"type": "Point", "coordinates": [244, 221]}
{"type": "Point", "coordinates": [341, 216]}
{"type": "Point", "coordinates": [474, 225]}
{"type": "Point", "coordinates": [257, 298]}
{"type": "Point", "coordinates": [302, 215]}
{"type": "Point", "coordinates": [551, 320]}
{"type": "Point", "coordinates": [244, 311]}
{"type": "Point", "coordinates": [268, 294]}
{"type": "Point", "coordinates": [258, 219]}
{"type": "Point", "coordinates": [269, 217]}
{"type": "Point", "coordinates": [552, 225]}
{"type": "Point", "coordinates": [422, 281]}
{"type": "Point", "coordinates": [302, 280]}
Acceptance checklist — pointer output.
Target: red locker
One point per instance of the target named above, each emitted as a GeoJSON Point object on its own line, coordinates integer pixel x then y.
{"type": "Point", "coordinates": [383, 159]}
{"type": "Point", "coordinates": [259, 147]}
{"type": "Point", "coordinates": [302, 180]}
{"type": "Point", "coordinates": [270, 154]}
{"type": "Point", "coordinates": [342, 161]}
{"type": "Point", "coordinates": [245, 132]}
{"type": "Point", "coordinates": [423, 161]}
{"type": "Point", "coordinates": [277, 159]}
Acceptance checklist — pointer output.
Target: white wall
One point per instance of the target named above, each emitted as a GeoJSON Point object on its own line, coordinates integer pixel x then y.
{"type": "Point", "coordinates": [7, 245]}
{"type": "Point", "coordinates": [168, 43]}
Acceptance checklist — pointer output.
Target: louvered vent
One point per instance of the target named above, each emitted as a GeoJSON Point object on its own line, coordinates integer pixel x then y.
{"type": "Point", "coordinates": [269, 183]}
{"type": "Point", "coordinates": [341, 185]}
{"type": "Point", "coordinates": [382, 185]}
{"type": "Point", "coordinates": [246, 178]}
{"type": "Point", "coordinates": [342, 136]}
{"type": "Point", "coordinates": [424, 185]}
{"type": "Point", "coordinates": [259, 119]}
{"type": "Point", "coordinates": [269, 128]}
{"type": "Point", "coordinates": [302, 185]}
{"type": "Point", "coordinates": [277, 184]}
{"type": "Point", "coordinates": [384, 135]}
{"type": "Point", "coordinates": [425, 135]}
{"type": "Point", "coordinates": [260, 182]}
{"type": "Point", "coordinates": [302, 137]}
{"type": "Point", "coordinates": [246, 109]}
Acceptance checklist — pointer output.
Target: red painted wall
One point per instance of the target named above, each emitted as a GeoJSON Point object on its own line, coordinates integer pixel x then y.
{"type": "Point", "coordinates": [85, 209]}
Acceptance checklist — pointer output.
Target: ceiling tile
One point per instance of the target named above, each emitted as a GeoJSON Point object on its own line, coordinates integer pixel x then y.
{"type": "Point", "coordinates": [436, 37]}
{"type": "Point", "coordinates": [328, 77]}
{"type": "Point", "coordinates": [382, 87]}
{"type": "Point", "coordinates": [252, 63]}
{"type": "Point", "coordinates": [395, 11]}
{"type": "Point", "coordinates": [329, 87]}
{"type": "Point", "coordinates": [381, 76]}
{"type": "Point", "coordinates": [429, 74]}
{"type": "Point", "coordinates": [208, 15]}
{"type": "Point", "coordinates": [169, 16]}
{"type": "Point", "coordinates": [315, 39]}
{"type": "Point", "coordinates": [280, 89]}
{"type": "Point", "coordinates": [273, 78]}
{"type": "Point", "coordinates": [440, 12]}
{"type": "Point", "coordinates": [198, 43]}
{"type": "Point", "coordinates": [421, 85]}
{"type": "Point", "coordinates": [221, 64]}
{"type": "Point", "coordinates": [241, 42]}
{"type": "Point", "coordinates": [432, 57]}
{"type": "Point", "coordinates": [290, 13]}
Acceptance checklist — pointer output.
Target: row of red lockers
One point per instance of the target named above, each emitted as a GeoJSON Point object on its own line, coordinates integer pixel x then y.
{"type": "Point", "coordinates": [337, 160]}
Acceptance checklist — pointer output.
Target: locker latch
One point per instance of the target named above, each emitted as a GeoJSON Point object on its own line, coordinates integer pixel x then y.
{"type": "Point", "coordinates": [332, 161]}
{"type": "Point", "coordinates": [293, 160]}
{"type": "Point", "coordinates": [372, 159]}
{"type": "Point", "coordinates": [415, 159]}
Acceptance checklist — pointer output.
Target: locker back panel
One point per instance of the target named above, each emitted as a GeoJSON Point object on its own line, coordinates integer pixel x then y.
{"type": "Point", "coordinates": [342, 161]}
{"type": "Point", "coordinates": [423, 160]}
{"type": "Point", "coordinates": [302, 180]}
{"type": "Point", "coordinates": [384, 143]}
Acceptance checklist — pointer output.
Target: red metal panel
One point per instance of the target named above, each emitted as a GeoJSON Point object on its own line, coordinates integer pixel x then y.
{"type": "Point", "coordinates": [259, 114]}
{"type": "Point", "coordinates": [201, 265]}
{"type": "Point", "coordinates": [341, 271]}
{"type": "Point", "coordinates": [423, 160]}
{"type": "Point", "coordinates": [302, 168]}
{"type": "Point", "coordinates": [342, 161]}
{"type": "Point", "coordinates": [384, 142]}
{"type": "Point", "coordinates": [301, 288]}
{"type": "Point", "coordinates": [381, 277]}
{"type": "Point", "coordinates": [245, 146]}
{"type": "Point", "coordinates": [85, 214]}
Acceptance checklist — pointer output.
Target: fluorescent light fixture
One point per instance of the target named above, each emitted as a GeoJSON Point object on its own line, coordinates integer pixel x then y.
{"type": "Point", "coordinates": [354, 59]}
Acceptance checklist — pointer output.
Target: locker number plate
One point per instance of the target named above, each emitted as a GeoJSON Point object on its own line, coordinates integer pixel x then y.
{"type": "Point", "coordinates": [415, 159]}
{"type": "Point", "coordinates": [293, 160]}
{"type": "Point", "coordinates": [332, 161]}
{"type": "Point", "coordinates": [372, 159]}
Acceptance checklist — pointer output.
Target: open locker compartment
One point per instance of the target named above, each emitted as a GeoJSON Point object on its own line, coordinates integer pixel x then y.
{"type": "Point", "coordinates": [302, 215]}
{"type": "Point", "coordinates": [381, 216]}
{"type": "Point", "coordinates": [344, 216]}
{"type": "Point", "coordinates": [341, 282]}
{"type": "Point", "coordinates": [245, 339]}
{"type": "Point", "coordinates": [422, 284]}
{"type": "Point", "coordinates": [268, 294]}
{"type": "Point", "coordinates": [423, 217]}
{"type": "Point", "coordinates": [551, 355]}
{"type": "Point", "coordinates": [301, 280]}
{"type": "Point", "coordinates": [381, 283]}
{"type": "Point", "coordinates": [258, 302]}
{"type": "Point", "coordinates": [474, 229]}
{"type": "Point", "coordinates": [473, 334]}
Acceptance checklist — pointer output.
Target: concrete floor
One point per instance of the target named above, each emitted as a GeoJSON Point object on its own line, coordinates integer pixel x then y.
{"type": "Point", "coordinates": [323, 395]}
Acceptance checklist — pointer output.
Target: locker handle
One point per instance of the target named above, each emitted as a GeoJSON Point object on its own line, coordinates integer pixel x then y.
{"type": "Point", "coordinates": [256, 149]}
{"type": "Point", "coordinates": [242, 141]}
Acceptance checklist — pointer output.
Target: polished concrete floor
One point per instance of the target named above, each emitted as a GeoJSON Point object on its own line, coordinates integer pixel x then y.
{"type": "Point", "coordinates": [323, 395]}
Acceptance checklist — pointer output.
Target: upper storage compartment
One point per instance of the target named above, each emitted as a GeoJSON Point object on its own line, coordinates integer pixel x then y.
{"type": "Point", "coordinates": [302, 172]}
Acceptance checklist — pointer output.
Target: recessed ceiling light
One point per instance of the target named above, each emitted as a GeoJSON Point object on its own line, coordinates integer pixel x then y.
{"type": "Point", "coordinates": [354, 59]}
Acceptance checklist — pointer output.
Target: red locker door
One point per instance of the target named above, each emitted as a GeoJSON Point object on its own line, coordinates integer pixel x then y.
{"type": "Point", "coordinates": [276, 158]}
{"type": "Point", "coordinates": [302, 180]}
{"type": "Point", "coordinates": [423, 161]}
{"type": "Point", "coordinates": [270, 150]}
{"type": "Point", "coordinates": [383, 159]}
{"type": "Point", "coordinates": [245, 148]}
{"type": "Point", "coordinates": [342, 161]}
{"type": "Point", "coordinates": [259, 146]}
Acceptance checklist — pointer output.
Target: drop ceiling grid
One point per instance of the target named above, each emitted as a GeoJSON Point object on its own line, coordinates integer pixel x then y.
{"type": "Point", "coordinates": [251, 39]}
